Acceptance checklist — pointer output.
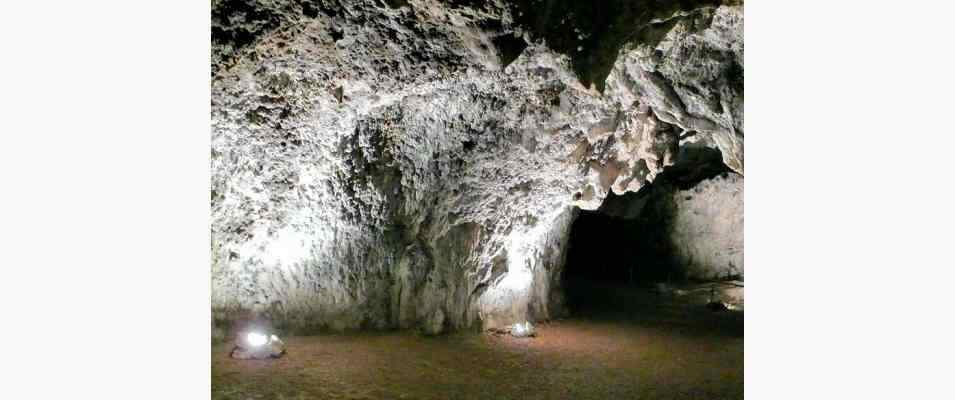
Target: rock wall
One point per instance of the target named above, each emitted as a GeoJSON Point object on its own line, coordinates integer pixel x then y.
{"type": "Point", "coordinates": [692, 79]}
{"type": "Point", "coordinates": [415, 164]}
{"type": "Point", "coordinates": [707, 228]}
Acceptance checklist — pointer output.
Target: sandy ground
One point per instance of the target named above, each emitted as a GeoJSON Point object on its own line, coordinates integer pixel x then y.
{"type": "Point", "coordinates": [646, 346]}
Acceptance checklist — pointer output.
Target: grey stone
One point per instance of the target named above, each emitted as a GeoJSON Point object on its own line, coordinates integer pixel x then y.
{"type": "Point", "coordinates": [378, 167]}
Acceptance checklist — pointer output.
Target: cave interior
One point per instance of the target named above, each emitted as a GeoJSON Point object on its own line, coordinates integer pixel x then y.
{"type": "Point", "coordinates": [529, 199]}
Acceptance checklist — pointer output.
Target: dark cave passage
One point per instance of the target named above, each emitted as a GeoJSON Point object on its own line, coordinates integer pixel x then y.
{"type": "Point", "coordinates": [611, 249]}
{"type": "Point", "coordinates": [609, 254]}
{"type": "Point", "coordinates": [627, 244]}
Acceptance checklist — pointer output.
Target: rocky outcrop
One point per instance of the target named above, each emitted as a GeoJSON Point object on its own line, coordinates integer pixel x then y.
{"type": "Point", "coordinates": [692, 79]}
{"type": "Point", "coordinates": [415, 164]}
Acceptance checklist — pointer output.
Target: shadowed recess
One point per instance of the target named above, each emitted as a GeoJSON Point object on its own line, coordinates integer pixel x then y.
{"type": "Point", "coordinates": [592, 33]}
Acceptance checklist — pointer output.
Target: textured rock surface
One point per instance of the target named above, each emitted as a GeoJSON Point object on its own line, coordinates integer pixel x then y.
{"type": "Point", "coordinates": [415, 164]}
{"type": "Point", "coordinates": [707, 230]}
{"type": "Point", "coordinates": [692, 79]}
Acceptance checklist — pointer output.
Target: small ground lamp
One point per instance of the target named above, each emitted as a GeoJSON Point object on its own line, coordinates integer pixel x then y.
{"type": "Point", "coordinates": [523, 330]}
{"type": "Point", "coordinates": [257, 345]}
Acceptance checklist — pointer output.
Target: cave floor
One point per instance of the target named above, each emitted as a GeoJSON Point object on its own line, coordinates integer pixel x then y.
{"type": "Point", "coordinates": [649, 346]}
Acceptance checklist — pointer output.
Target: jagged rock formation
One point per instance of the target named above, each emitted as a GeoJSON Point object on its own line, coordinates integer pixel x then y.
{"type": "Point", "coordinates": [692, 79]}
{"type": "Point", "coordinates": [415, 163]}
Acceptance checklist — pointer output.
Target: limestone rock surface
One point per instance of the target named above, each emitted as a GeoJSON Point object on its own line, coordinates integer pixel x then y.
{"type": "Point", "coordinates": [416, 164]}
{"type": "Point", "coordinates": [692, 79]}
{"type": "Point", "coordinates": [707, 230]}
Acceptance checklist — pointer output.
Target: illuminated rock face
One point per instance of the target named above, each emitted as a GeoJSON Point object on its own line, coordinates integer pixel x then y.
{"type": "Point", "coordinates": [707, 230]}
{"type": "Point", "coordinates": [375, 165]}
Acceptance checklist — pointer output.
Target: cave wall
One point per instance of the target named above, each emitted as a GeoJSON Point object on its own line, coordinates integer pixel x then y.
{"type": "Point", "coordinates": [707, 228]}
{"type": "Point", "coordinates": [395, 164]}
{"type": "Point", "coordinates": [692, 79]}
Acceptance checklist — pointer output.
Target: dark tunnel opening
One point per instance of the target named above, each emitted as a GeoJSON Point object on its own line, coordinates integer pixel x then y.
{"type": "Point", "coordinates": [626, 243]}
{"type": "Point", "coordinates": [611, 249]}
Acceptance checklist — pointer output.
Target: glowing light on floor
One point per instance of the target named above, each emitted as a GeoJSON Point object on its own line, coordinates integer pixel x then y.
{"type": "Point", "coordinates": [256, 339]}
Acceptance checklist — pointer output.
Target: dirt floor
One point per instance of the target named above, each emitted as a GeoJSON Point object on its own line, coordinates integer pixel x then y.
{"type": "Point", "coordinates": [645, 346]}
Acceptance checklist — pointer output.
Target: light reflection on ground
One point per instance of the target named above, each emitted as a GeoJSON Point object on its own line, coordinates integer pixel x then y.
{"type": "Point", "coordinates": [657, 348]}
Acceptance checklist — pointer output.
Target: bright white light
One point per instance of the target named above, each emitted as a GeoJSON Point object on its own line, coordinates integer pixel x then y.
{"type": "Point", "coordinates": [519, 275]}
{"type": "Point", "coordinates": [522, 329]}
{"type": "Point", "coordinates": [256, 339]}
{"type": "Point", "coordinates": [286, 248]}
{"type": "Point", "coordinates": [518, 279]}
